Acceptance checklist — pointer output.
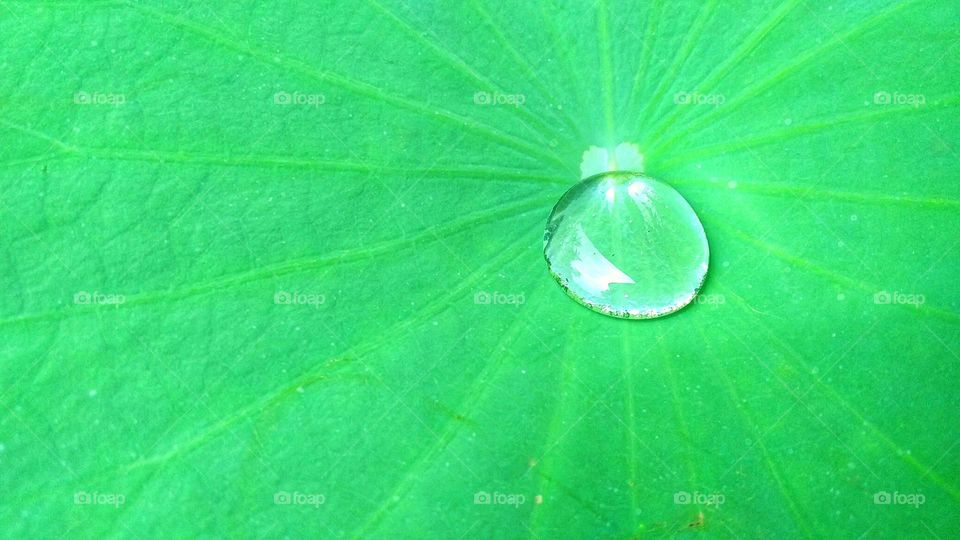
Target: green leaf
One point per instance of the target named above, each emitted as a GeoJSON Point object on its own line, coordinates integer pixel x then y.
{"type": "Point", "coordinates": [274, 269]}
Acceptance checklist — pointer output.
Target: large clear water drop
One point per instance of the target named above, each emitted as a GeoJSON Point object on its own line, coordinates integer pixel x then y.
{"type": "Point", "coordinates": [626, 245]}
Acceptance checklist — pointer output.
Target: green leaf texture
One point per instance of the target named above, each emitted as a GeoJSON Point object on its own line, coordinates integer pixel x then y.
{"type": "Point", "coordinates": [274, 270]}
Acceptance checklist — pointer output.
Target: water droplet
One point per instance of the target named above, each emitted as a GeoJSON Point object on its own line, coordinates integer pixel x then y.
{"type": "Point", "coordinates": [626, 245]}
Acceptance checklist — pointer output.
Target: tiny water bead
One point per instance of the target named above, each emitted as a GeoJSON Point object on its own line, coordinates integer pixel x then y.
{"type": "Point", "coordinates": [626, 245]}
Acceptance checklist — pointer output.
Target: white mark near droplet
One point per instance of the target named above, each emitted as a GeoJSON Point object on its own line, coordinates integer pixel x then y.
{"type": "Point", "coordinates": [624, 157]}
